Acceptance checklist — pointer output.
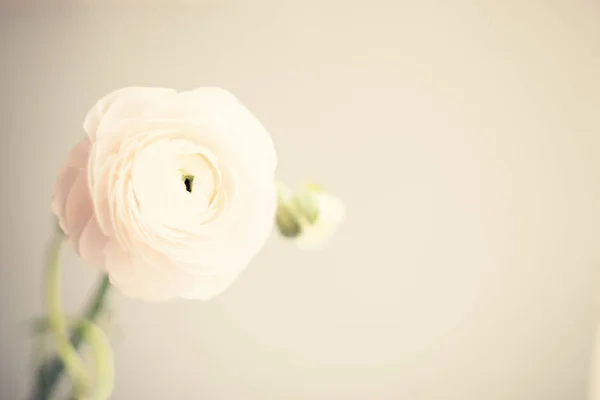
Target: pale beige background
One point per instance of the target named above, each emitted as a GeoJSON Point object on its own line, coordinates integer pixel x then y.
{"type": "Point", "coordinates": [463, 137]}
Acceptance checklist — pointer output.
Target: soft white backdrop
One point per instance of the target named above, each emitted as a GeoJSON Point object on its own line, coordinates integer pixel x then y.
{"type": "Point", "coordinates": [463, 137]}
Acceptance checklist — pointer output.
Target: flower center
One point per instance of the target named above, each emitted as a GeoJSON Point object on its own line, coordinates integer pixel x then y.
{"type": "Point", "coordinates": [188, 181]}
{"type": "Point", "coordinates": [175, 185]}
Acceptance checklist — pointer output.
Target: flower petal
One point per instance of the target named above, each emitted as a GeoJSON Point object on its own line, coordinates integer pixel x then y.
{"type": "Point", "coordinates": [61, 192]}
{"type": "Point", "coordinates": [91, 243]}
{"type": "Point", "coordinates": [132, 102]}
{"type": "Point", "coordinates": [122, 104]}
{"type": "Point", "coordinates": [74, 167]}
{"type": "Point", "coordinates": [137, 278]}
{"type": "Point", "coordinates": [78, 209]}
{"type": "Point", "coordinates": [243, 127]}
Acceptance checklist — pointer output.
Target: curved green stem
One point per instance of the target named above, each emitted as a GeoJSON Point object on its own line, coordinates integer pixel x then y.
{"type": "Point", "coordinates": [103, 360]}
{"type": "Point", "coordinates": [49, 373]}
{"type": "Point", "coordinates": [69, 356]}
{"type": "Point", "coordinates": [99, 345]}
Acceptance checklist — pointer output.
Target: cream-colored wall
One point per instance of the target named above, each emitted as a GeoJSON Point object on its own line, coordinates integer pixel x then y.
{"type": "Point", "coordinates": [463, 136]}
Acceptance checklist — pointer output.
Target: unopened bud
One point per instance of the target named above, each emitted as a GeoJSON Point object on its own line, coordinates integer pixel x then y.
{"type": "Point", "coordinates": [311, 216]}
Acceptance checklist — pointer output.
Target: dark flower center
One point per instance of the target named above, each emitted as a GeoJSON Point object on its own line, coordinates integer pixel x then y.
{"type": "Point", "coordinates": [188, 181]}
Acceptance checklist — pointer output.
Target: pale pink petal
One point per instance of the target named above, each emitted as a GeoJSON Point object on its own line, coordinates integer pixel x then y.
{"type": "Point", "coordinates": [78, 157]}
{"type": "Point", "coordinates": [235, 122]}
{"type": "Point", "coordinates": [135, 277]}
{"type": "Point", "coordinates": [132, 102]}
{"type": "Point", "coordinates": [74, 167]}
{"type": "Point", "coordinates": [62, 189]}
{"type": "Point", "coordinates": [93, 117]}
{"type": "Point", "coordinates": [91, 243]}
{"type": "Point", "coordinates": [137, 99]}
{"type": "Point", "coordinates": [78, 209]}
{"type": "Point", "coordinates": [100, 192]}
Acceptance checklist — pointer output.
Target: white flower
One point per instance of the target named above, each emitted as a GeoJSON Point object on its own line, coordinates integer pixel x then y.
{"type": "Point", "coordinates": [310, 217]}
{"type": "Point", "coordinates": [171, 193]}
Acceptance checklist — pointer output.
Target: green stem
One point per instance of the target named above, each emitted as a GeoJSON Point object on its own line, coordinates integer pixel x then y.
{"type": "Point", "coordinates": [73, 363]}
{"type": "Point", "coordinates": [48, 374]}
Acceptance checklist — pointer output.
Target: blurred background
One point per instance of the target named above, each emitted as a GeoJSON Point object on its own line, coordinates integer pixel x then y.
{"type": "Point", "coordinates": [462, 135]}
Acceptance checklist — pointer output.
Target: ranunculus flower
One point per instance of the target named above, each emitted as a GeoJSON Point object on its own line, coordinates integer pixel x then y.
{"type": "Point", "coordinates": [171, 193]}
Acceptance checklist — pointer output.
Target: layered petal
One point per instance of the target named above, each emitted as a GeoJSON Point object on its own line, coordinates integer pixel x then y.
{"type": "Point", "coordinates": [120, 105]}
{"type": "Point", "coordinates": [73, 206]}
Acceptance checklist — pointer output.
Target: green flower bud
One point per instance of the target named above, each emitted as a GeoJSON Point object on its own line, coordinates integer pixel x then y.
{"type": "Point", "coordinates": [287, 221]}
{"type": "Point", "coordinates": [310, 216]}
